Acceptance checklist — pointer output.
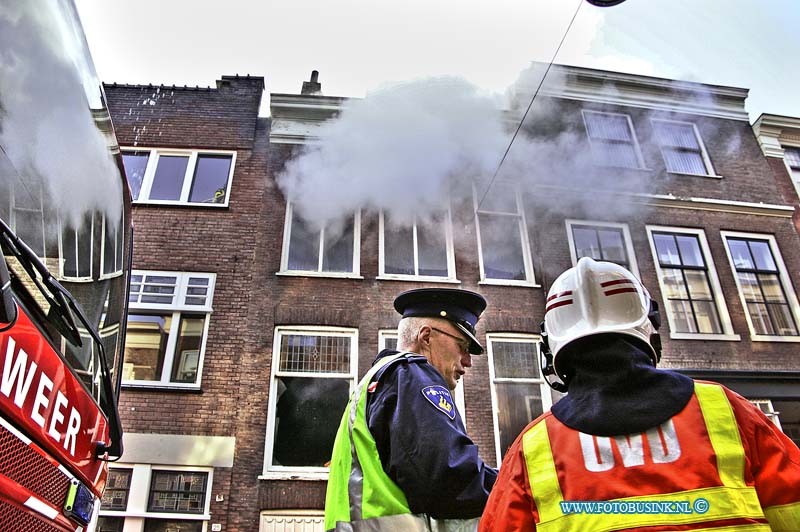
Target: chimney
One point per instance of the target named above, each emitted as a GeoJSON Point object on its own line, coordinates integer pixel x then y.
{"type": "Point", "coordinates": [312, 86]}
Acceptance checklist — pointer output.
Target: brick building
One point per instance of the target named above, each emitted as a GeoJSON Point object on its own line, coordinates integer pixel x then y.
{"type": "Point", "coordinates": [249, 325]}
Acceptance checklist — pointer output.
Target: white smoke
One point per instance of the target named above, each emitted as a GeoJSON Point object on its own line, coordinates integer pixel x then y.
{"type": "Point", "coordinates": [47, 130]}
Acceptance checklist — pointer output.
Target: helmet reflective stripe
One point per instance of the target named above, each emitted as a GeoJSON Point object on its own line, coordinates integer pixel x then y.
{"type": "Point", "coordinates": [597, 297]}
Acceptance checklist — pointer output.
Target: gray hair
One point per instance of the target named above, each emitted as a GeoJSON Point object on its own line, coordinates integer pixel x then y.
{"type": "Point", "coordinates": [408, 330]}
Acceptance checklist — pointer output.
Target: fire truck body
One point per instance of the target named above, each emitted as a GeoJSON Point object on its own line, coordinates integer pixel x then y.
{"type": "Point", "coordinates": [65, 234]}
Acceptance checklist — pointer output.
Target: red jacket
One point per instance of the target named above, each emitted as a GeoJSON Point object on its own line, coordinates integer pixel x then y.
{"type": "Point", "coordinates": [689, 457]}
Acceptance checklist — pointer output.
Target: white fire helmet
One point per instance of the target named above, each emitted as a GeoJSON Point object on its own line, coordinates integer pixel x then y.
{"type": "Point", "coordinates": [596, 298]}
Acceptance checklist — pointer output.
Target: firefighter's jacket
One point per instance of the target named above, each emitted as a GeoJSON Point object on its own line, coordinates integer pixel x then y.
{"type": "Point", "coordinates": [402, 459]}
{"type": "Point", "coordinates": [719, 464]}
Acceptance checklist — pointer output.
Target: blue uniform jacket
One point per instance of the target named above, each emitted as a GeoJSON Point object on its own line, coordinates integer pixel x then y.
{"type": "Point", "coordinates": [422, 442]}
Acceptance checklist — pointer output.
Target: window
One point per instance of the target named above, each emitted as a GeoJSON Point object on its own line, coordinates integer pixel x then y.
{"type": "Point", "coordinates": [765, 405]}
{"type": "Point", "coordinates": [682, 148]}
{"type": "Point", "coordinates": [330, 251]}
{"type": "Point", "coordinates": [76, 249]}
{"type": "Point", "coordinates": [292, 521]}
{"type": "Point", "coordinates": [417, 250]}
{"type": "Point", "coordinates": [601, 241]}
{"type": "Point", "coordinates": [112, 251]}
{"type": "Point", "coordinates": [612, 140]}
{"type": "Point", "coordinates": [764, 286]}
{"type": "Point", "coordinates": [792, 158]}
{"type": "Point", "coordinates": [689, 285]}
{"type": "Point", "coordinates": [502, 235]}
{"type": "Point", "coordinates": [313, 371]}
{"type": "Point", "coordinates": [159, 499]}
{"type": "Point", "coordinates": [25, 212]}
{"type": "Point", "coordinates": [519, 393]}
{"type": "Point", "coordinates": [168, 324]}
{"type": "Point", "coordinates": [179, 176]}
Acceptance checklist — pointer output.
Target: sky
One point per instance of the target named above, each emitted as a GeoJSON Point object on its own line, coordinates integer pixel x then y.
{"type": "Point", "coordinates": [359, 46]}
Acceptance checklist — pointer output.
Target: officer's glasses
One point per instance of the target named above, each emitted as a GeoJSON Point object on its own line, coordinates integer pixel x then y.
{"type": "Point", "coordinates": [463, 344]}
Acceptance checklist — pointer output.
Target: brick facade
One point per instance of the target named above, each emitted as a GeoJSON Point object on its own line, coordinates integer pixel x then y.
{"type": "Point", "coordinates": [242, 245]}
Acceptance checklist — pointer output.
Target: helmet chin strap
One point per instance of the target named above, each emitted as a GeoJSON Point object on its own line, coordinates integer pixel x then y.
{"type": "Point", "coordinates": [553, 379]}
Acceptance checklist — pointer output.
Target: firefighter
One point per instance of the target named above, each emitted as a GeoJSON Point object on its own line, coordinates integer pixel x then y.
{"type": "Point", "coordinates": [641, 448]}
{"type": "Point", "coordinates": [402, 459]}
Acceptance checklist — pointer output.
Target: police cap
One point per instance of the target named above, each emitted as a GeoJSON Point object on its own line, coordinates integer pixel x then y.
{"type": "Point", "coordinates": [461, 307]}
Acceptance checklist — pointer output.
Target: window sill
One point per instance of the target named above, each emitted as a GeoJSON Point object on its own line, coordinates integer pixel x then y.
{"type": "Point", "coordinates": [417, 279]}
{"type": "Point", "coordinates": [159, 387]}
{"type": "Point", "coordinates": [684, 174]}
{"type": "Point", "coordinates": [329, 275]}
{"type": "Point", "coordinates": [274, 475]}
{"type": "Point", "coordinates": [164, 203]}
{"type": "Point", "coordinates": [157, 515]}
{"type": "Point", "coordinates": [703, 336]}
{"type": "Point", "coordinates": [507, 282]}
{"type": "Point", "coordinates": [764, 338]}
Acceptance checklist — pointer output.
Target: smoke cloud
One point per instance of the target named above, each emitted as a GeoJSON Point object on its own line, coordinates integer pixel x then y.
{"type": "Point", "coordinates": [47, 130]}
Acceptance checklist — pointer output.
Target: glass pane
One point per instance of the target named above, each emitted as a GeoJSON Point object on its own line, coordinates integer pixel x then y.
{"type": "Point", "coordinates": [390, 343]}
{"type": "Point", "coordinates": [605, 126]}
{"type": "Point", "coordinates": [517, 405]}
{"type": "Point", "coordinates": [398, 250]}
{"type": "Point", "coordinates": [684, 162]}
{"type": "Point", "coordinates": [760, 318]}
{"type": "Point", "coordinates": [337, 252]}
{"type": "Point", "coordinates": [615, 154]}
{"type": "Point", "coordinates": [586, 242]}
{"type": "Point", "coordinates": [613, 246]}
{"type": "Point", "coordinates": [740, 254]}
{"type": "Point", "coordinates": [501, 197]}
{"type": "Point", "coordinates": [168, 181]}
{"type": "Point", "coordinates": [145, 346]}
{"type": "Point", "coordinates": [171, 525]}
{"type": "Point", "coordinates": [315, 353]}
{"type": "Point", "coordinates": [172, 491]}
{"type": "Point", "coordinates": [303, 246]}
{"type": "Point", "coordinates": [501, 247]}
{"type": "Point", "coordinates": [307, 415]}
{"type": "Point", "coordinates": [750, 287]}
{"type": "Point", "coordinates": [135, 165]}
{"type": "Point", "coordinates": [515, 360]}
{"type": "Point", "coordinates": [676, 135]}
{"type": "Point", "coordinates": [187, 352]}
{"type": "Point", "coordinates": [707, 318]}
{"type": "Point", "coordinates": [690, 250]}
{"type": "Point", "coordinates": [432, 249]}
{"type": "Point", "coordinates": [30, 229]}
{"type": "Point", "coordinates": [112, 246]}
{"type": "Point", "coordinates": [698, 285]}
{"type": "Point", "coordinates": [782, 319]}
{"type": "Point", "coordinates": [666, 248]}
{"type": "Point", "coordinates": [771, 286]}
{"type": "Point", "coordinates": [792, 156]}
{"type": "Point", "coordinates": [210, 183]}
{"type": "Point", "coordinates": [762, 255]}
{"type": "Point", "coordinates": [682, 316]}
{"type": "Point", "coordinates": [674, 285]}
{"type": "Point", "coordinates": [110, 524]}
{"type": "Point", "coordinates": [115, 497]}
{"type": "Point", "coordinates": [76, 249]}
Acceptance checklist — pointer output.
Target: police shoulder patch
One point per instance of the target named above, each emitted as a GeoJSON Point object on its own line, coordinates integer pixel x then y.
{"type": "Point", "coordinates": [439, 397]}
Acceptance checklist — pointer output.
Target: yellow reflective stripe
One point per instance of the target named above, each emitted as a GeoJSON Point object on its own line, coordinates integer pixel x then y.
{"type": "Point", "coordinates": [723, 431]}
{"type": "Point", "coordinates": [542, 472]}
{"type": "Point", "coordinates": [785, 517]}
{"type": "Point", "coordinates": [723, 503]}
{"type": "Point", "coordinates": [761, 527]}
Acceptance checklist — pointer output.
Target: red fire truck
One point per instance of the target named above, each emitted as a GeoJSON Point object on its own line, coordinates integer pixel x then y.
{"type": "Point", "coordinates": [65, 234]}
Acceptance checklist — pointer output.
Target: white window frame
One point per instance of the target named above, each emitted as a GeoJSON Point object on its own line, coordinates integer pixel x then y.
{"type": "Point", "coordinates": [728, 333]}
{"type": "Point", "coordinates": [287, 235]}
{"type": "Point", "coordinates": [177, 308]}
{"type": "Point", "coordinates": [794, 171]}
{"type": "Point", "coordinates": [139, 496]}
{"type": "Point", "coordinates": [451, 261]}
{"type": "Point", "coordinates": [626, 237]}
{"type": "Point", "coordinates": [529, 280]}
{"type": "Point", "coordinates": [547, 399]}
{"type": "Point", "coordinates": [766, 407]}
{"type": "Point", "coordinates": [461, 405]}
{"type": "Point", "coordinates": [14, 210]}
{"type": "Point", "coordinates": [637, 150]}
{"type": "Point", "coordinates": [783, 274]}
{"type": "Point", "coordinates": [703, 153]}
{"type": "Point", "coordinates": [273, 472]}
{"type": "Point", "coordinates": [152, 164]}
{"type": "Point", "coordinates": [118, 254]}
{"type": "Point", "coordinates": [73, 240]}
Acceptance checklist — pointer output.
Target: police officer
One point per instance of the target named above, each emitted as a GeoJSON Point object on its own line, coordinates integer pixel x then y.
{"type": "Point", "coordinates": [402, 459]}
{"type": "Point", "coordinates": [640, 448]}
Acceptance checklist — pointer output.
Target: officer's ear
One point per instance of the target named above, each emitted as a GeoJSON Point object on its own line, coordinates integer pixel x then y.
{"type": "Point", "coordinates": [424, 335]}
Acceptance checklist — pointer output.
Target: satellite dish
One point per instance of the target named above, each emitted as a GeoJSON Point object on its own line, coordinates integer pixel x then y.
{"type": "Point", "coordinates": [605, 3]}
